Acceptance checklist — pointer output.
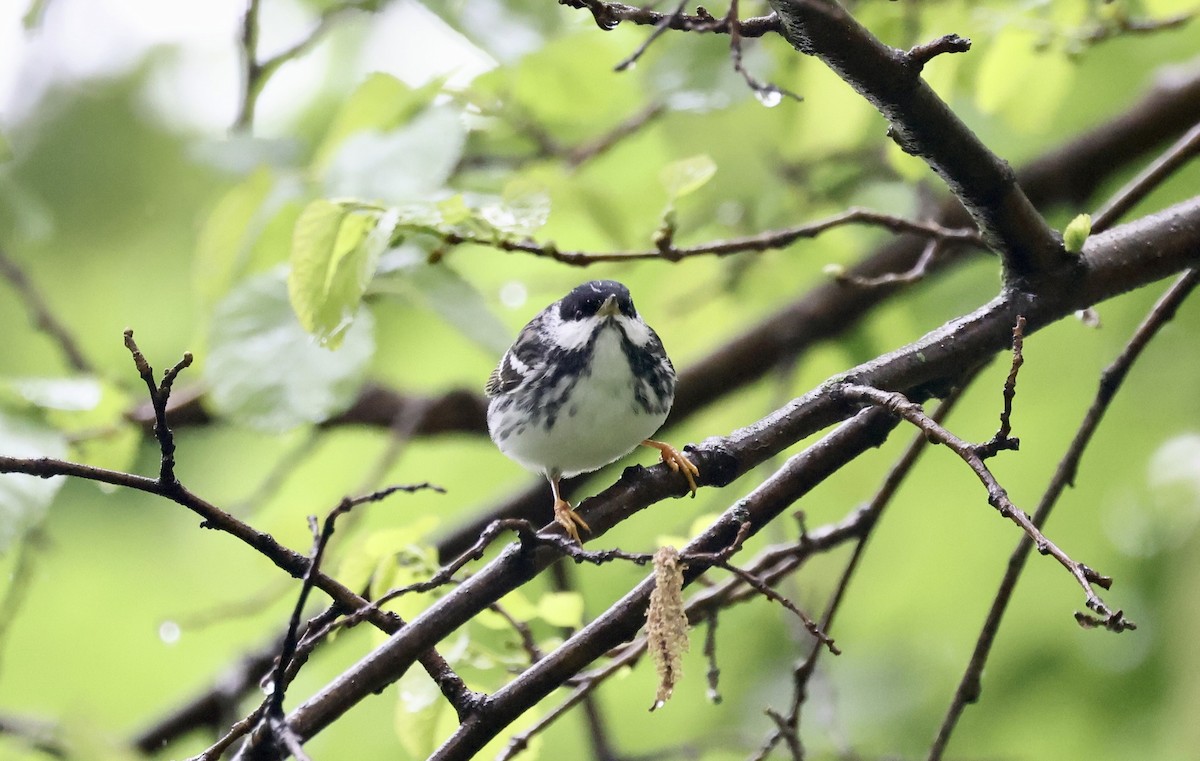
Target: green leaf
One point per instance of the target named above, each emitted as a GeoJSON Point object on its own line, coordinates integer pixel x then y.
{"type": "Point", "coordinates": [379, 104]}
{"type": "Point", "coordinates": [522, 209]}
{"type": "Point", "coordinates": [335, 249]}
{"type": "Point", "coordinates": [24, 499]}
{"type": "Point", "coordinates": [68, 394]}
{"type": "Point", "coordinates": [454, 210]}
{"type": "Point", "coordinates": [1077, 233]}
{"type": "Point", "coordinates": [266, 372]}
{"type": "Point", "coordinates": [224, 240]}
{"type": "Point", "coordinates": [405, 271]}
{"type": "Point", "coordinates": [6, 152]}
{"type": "Point", "coordinates": [687, 176]}
{"type": "Point", "coordinates": [408, 163]}
{"type": "Point", "coordinates": [90, 412]}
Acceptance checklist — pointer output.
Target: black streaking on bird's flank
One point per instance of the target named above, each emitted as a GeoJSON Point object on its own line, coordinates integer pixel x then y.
{"type": "Point", "coordinates": [586, 381]}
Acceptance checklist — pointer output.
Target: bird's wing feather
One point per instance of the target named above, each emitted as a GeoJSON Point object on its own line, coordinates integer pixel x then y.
{"type": "Point", "coordinates": [521, 362]}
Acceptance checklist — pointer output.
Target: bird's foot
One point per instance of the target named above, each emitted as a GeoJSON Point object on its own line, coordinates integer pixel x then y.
{"type": "Point", "coordinates": [676, 461]}
{"type": "Point", "coordinates": [566, 517]}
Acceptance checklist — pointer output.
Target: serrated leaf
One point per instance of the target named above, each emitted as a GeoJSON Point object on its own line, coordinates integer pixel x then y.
{"type": "Point", "coordinates": [1077, 232]}
{"type": "Point", "coordinates": [265, 371]}
{"type": "Point", "coordinates": [687, 175]}
{"type": "Point", "coordinates": [335, 249]}
{"type": "Point", "coordinates": [24, 499]}
{"type": "Point", "coordinates": [408, 163]}
{"type": "Point", "coordinates": [405, 271]}
{"type": "Point", "coordinates": [226, 236]}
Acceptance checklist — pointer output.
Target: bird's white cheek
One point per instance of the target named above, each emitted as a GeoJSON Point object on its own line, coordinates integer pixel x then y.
{"type": "Point", "coordinates": [572, 334]}
{"type": "Point", "coordinates": [637, 331]}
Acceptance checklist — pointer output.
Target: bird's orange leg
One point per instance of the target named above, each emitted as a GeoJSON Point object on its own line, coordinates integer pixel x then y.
{"type": "Point", "coordinates": [565, 516]}
{"type": "Point", "coordinates": [676, 461]}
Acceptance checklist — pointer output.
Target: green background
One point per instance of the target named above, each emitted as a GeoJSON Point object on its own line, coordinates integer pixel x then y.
{"type": "Point", "coordinates": [103, 202]}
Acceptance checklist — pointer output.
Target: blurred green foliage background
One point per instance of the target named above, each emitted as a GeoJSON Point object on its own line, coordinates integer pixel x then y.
{"type": "Point", "coordinates": [129, 205]}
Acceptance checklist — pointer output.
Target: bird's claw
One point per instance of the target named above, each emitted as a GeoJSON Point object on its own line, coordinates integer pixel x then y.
{"type": "Point", "coordinates": [677, 461]}
{"type": "Point", "coordinates": [570, 520]}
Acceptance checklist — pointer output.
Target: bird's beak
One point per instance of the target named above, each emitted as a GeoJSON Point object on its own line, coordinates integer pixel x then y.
{"type": "Point", "coordinates": [609, 308]}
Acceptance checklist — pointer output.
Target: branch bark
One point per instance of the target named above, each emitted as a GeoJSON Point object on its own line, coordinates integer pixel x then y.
{"type": "Point", "coordinates": [923, 125]}
{"type": "Point", "coordinates": [1112, 263]}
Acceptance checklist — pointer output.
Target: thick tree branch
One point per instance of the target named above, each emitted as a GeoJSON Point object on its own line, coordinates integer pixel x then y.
{"type": "Point", "coordinates": [1112, 263]}
{"type": "Point", "coordinates": [609, 15]}
{"type": "Point", "coordinates": [1067, 175]}
{"type": "Point", "coordinates": [923, 125]}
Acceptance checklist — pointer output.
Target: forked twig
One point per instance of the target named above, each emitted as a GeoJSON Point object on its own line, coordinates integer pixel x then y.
{"type": "Point", "coordinates": [899, 404]}
{"type": "Point", "coordinates": [970, 686]}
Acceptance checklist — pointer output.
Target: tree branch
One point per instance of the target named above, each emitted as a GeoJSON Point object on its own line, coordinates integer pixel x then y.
{"type": "Point", "coordinates": [970, 686]}
{"type": "Point", "coordinates": [1112, 263]}
{"type": "Point", "coordinates": [924, 126]}
{"type": "Point", "coordinates": [1066, 175]}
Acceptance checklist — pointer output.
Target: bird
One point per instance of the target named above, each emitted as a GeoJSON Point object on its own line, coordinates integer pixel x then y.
{"type": "Point", "coordinates": [585, 382]}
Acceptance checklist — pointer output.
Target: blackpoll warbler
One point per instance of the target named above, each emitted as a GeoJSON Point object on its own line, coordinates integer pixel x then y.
{"type": "Point", "coordinates": [586, 381]}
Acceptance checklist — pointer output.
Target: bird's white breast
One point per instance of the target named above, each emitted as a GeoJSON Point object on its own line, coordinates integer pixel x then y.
{"type": "Point", "coordinates": [600, 422]}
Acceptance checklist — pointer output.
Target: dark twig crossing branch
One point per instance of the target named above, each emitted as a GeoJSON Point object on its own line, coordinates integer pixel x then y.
{"type": "Point", "coordinates": [788, 726]}
{"type": "Point", "coordinates": [160, 395]}
{"type": "Point", "coordinates": [280, 678]}
{"type": "Point", "coordinates": [970, 686]}
{"type": "Point", "coordinates": [1002, 441]}
{"type": "Point", "coordinates": [257, 72]}
{"type": "Point", "coordinates": [765, 241]}
{"type": "Point", "coordinates": [898, 404]}
{"type": "Point", "coordinates": [1183, 151]}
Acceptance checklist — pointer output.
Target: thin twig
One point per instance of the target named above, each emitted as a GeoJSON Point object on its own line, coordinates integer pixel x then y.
{"type": "Point", "coordinates": [713, 674]}
{"type": "Point", "coordinates": [321, 537]}
{"type": "Point", "coordinates": [659, 28]}
{"type": "Point", "coordinates": [256, 73]}
{"type": "Point", "coordinates": [1183, 150]}
{"type": "Point", "coordinates": [922, 54]}
{"type": "Point", "coordinates": [803, 671]}
{"type": "Point", "coordinates": [914, 274]}
{"type": "Point", "coordinates": [20, 578]}
{"type": "Point", "coordinates": [970, 685]}
{"type": "Point", "coordinates": [1123, 25]}
{"type": "Point", "coordinates": [609, 15]}
{"type": "Point", "coordinates": [898, 404]}
{"type": "Point", "coordinates": [1001, 440]}
{"type": "Point", "coordinates": [160, 395]}
{"type": "Point", "coordinates": [765, 241]}
{"type": "Point", "coordinates": [42, 316]}
{"type": "Point", "coordinates": [768, 94]}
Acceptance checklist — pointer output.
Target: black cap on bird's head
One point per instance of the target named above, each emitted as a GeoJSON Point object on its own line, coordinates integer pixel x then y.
{"type": "Point", "coordinates": [603, 297]}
